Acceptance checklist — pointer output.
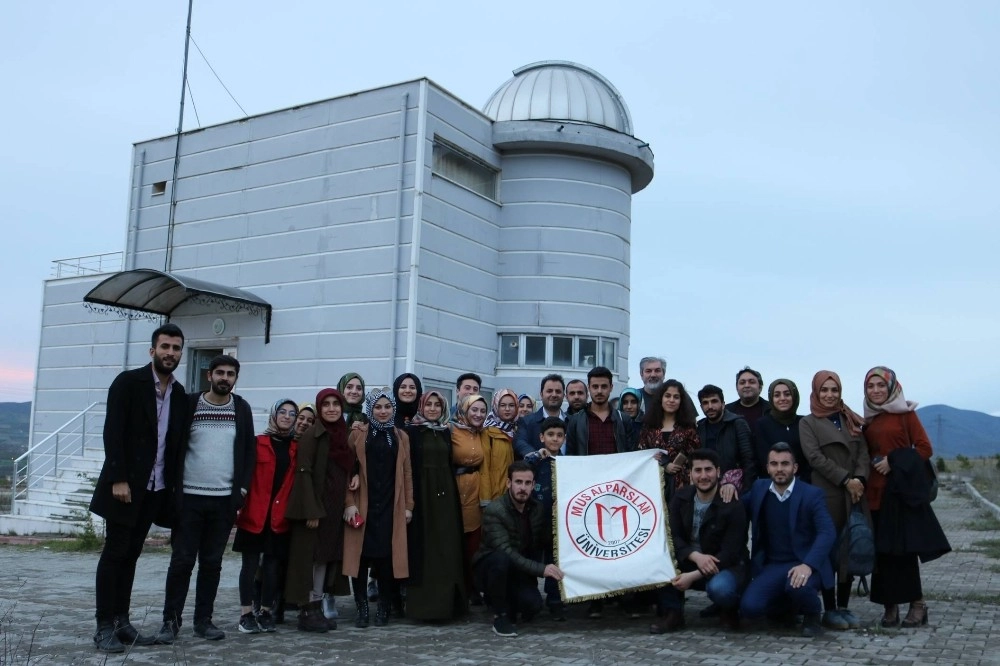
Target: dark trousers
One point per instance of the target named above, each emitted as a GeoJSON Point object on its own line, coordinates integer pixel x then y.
{"type": "Point", "coordinates": [551, 585]}
{"type": "Point", "coordinates": [267, 566]}
{"type": "Point", "coordinates": [201, 533]}
{"type": "Point", "coordinates": [508, 589]}
{"type": "Point", "coordinates": [771, 593]}
{"type": "Point", "coordinates": [116, 568]}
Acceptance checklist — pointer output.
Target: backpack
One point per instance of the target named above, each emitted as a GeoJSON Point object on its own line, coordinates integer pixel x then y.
{"type": "Point", "coordinates": [857, 544]}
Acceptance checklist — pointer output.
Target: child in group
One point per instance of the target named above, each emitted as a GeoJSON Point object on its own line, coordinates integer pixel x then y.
{"type": "Point", "coordinates": [552, 434]}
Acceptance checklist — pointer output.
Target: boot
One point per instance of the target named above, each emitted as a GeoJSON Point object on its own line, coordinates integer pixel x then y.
{"type": "Point", "coordinates": [106, 640]}
{"type": "Point", "coordinates": [382, 611]}
{"type": "Point", "coordinates": [311, 618]}
{"type": "Point", "coordinates": [361, 621]}
{"type": "Point", "coordinates": [672, 620]}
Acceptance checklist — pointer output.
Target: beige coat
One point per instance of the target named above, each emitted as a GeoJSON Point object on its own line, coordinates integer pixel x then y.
{"type": "Point", "coordinates": [354, 538]}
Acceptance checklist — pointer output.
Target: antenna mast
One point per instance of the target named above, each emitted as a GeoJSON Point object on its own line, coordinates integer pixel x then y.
{"type": "Point", "coordinates": [177, 146]}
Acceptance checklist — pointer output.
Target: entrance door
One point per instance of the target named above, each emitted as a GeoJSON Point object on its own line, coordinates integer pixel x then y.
{"type": "Point", "coordinates": [197, 381]}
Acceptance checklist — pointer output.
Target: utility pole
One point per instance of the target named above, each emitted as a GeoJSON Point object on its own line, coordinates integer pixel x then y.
{"type": "Point", "coordinates": [168, 260]}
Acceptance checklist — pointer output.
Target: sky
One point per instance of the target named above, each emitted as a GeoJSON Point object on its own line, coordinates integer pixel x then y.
{"type": "Point", "coordinates": [826, 187]}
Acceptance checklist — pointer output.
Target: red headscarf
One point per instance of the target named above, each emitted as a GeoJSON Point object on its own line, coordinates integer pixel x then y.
{"type": "Point", "coordinates": [340, 453]}
{"type": "Point", "coordinates": [850, 418]}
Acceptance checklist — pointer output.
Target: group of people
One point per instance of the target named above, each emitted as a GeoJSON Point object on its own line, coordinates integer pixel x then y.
{"type": "Point", "coordinates": [444, 507]}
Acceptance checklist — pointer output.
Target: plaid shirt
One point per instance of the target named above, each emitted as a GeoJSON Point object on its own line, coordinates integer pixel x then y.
{"type": "Point", "coordinates": [602, 435]}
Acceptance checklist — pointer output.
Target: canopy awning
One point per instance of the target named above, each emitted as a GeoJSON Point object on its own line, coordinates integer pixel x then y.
{"type": "Point", "coordinates": [154, 292]}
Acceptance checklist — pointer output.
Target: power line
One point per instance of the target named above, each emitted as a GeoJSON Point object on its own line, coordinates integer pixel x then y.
{"type": "Point", "coordinates": [217, 77]}
{"type": "Point", "coordinates": [193, 105]}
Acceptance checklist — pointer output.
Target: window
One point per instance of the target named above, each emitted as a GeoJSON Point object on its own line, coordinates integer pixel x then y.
{"type": "Point", "coordinates": [559, 351]}
{"type": "Point", "coordinates": [159, 187]}
{"type": "Point", "coordinates": [461, 168]}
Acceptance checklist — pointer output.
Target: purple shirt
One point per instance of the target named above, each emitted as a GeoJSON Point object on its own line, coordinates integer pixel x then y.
{"type": "Point", "coordinates": [156, 481]}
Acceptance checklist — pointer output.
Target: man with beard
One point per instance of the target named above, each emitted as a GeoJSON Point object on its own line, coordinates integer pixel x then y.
{"type": "Point", "coordinates": [728, 435]}
{"type": "Point", "coordinates": [652, 370]}
{"type": "Point", "coordinates": [143, 427]}
{"type": "Point", "coordinates": [576, 396]}
{"type": "Point", "coordinates": [528, 427]}
{"type": "Point", "coordinates": [215, 462]}
{"type": "Point", "coordinates": [792, 534]}
{"type": "Point", "coordinates": [750, 405]}
{"type": "Point", "coordinates": [509, 563]}
{"type": "Point", "coordinates": [709, 538]}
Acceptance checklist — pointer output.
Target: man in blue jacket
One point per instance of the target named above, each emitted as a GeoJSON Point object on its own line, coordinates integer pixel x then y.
{"type": "Point", "coordinates": [528, 427]}
{"type": "Point", "coordinates": [792, 534]}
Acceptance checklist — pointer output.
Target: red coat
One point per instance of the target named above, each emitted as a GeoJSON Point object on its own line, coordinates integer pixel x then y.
{"type": "Point", "coordinates": [254, 512]}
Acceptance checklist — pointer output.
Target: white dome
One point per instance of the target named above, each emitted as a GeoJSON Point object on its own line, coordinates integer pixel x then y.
{"type": "Point", "coordinates": [560, 90]}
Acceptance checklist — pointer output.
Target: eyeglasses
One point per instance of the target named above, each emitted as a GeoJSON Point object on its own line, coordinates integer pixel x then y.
{"type": "Point", "coordinates": [288, 412]}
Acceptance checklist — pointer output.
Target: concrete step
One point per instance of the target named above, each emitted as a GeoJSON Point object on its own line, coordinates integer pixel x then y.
{"type": "Point", "coordinates": [28, 524]}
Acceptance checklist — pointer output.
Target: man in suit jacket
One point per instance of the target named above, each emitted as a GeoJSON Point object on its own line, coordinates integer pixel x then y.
{"type": "Point", "coordinates": [792, 534]}
{"type": "Point", "coordinates": [528, 427]}
{"type": "Point", "coordinates": [142, 430]}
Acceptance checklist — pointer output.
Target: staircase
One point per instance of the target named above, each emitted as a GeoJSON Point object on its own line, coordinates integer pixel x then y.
{"type": "Point", "coordinates": [54, 480]}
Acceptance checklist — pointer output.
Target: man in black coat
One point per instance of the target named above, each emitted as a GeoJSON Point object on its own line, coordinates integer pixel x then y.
{"type": "Point", "coordinates": [143, 426]}
{"type": "Point", "coordinates": [728, 435]}
{"type": "Point", "coordinates": [710, 543]}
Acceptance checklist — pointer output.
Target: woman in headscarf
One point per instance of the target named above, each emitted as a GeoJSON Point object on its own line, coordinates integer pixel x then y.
{"type": "Point", "coordinates": [525, 405]}
{"type": "Point", "coordinates": [500, 425]}
{"type": "Point", "coordinates": [630, 402]}
{"type": "Point", "coordinates": [669, 425]}
{"type": "Point", "coordinates": [833, 444]}
{"type": "Point", "coordinates": [305, 419]}
{"type": "Point", "coordinates": [352, 387]}
{"type": "Point", "coordinates": [469, 443]}
{"type": "Point", "coordinates": [781, 424]}
{"type": "Point", "coordinates": [383, 502]}
{"type": "Point", "coordinates": [905, 532]}
{"type": "Point", "coordinates": [435, 589]}
{"type": "Point", "coordinates": [407, 390]}
{"type": "Point", "coordinates": [261, 526]}
{"type": "Point", "coordinates": [325, 470]}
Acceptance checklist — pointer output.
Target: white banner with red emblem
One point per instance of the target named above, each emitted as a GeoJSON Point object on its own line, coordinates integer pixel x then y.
{"type": "Point", "coordinates": [612, 530]}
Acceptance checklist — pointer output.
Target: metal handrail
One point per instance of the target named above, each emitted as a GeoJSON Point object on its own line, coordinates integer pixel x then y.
{"type": "Point", "coordinates": [89, 265]}
{"type": "Point", "coordinates": [22, 480]}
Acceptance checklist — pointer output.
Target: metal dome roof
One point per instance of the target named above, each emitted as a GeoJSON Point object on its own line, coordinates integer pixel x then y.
{"type": "Point", "coordinates": [560, 90]}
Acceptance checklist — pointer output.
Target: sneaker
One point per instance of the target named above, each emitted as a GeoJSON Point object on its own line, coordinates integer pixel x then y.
{"type": "Point", "coordinates": [168, 632]}
{"type": "Point", "coordinates": [503, 627]}
{"type": "Point", "coordinates": [852, 620]}
{"type": "Point", "coordinates": [834, 619]}
{"type": "Point", "coordinates": [372, 590]}
{"type": "Point", "coordinates": [208, 631]}
{"type": "Point", "coordinates": [595, 610]}
{"type": "Point", "coordinates": [248, 624]}
{"type": "Point", "coordinates": [811, 626]}
{"type": "Point", "coordinates": [330, 611]}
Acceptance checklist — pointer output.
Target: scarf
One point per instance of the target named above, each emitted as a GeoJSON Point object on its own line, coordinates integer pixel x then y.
{"type": "Point", "coordinates": [784, 418]}
{"type": "Point", "coordinates": [522, 397]}
{"type": "Point", "coordinates": [340, 453]}
{"type": "Point", "coordinates": [848, 416]}
{"type": "Point", "coordinates": [405, 411]}
{"type": "Point", "coordinates": [895, 403]}
{"type": "Point", "coordinates": [376, 428]}
{"type": "Point", "coordinates": [352, 413]}
{"type": "Point", "coordinates": [305, 407]}
{"type": "Point", "coordinates": [493, 418]}
{"type": "Point", "coordinates": [272, 420]}
{"type": "Point", "coordinates": [421, 419]}
{"type": "Point", "coordinates": [461, 419]}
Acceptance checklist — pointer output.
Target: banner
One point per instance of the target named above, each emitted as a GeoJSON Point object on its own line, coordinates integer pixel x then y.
{"type": "Point", "coordinates": [612, 530]}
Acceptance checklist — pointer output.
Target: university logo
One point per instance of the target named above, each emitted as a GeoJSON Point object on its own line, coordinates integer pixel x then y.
{"type": "Point", "coordinates": [610, 520]}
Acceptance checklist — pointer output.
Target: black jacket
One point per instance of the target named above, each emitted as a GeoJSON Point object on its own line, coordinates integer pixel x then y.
{"type": "Point", "coordinates": [578, 433]}
{"type": "Point", "coordinates": [768, 433]}
{"type": "Point", "coordinates": [130, 433]}
{"type": "Point", "coordinates": [906, 522]}
{"type": "Point", "coordinates": [733, 446]}
{"type": "Point", "coordinates": [723, 531]}
{"type": "Point", "coordinates": [501, 533]}
{"type": "Point", "coordinates": [244, 450]}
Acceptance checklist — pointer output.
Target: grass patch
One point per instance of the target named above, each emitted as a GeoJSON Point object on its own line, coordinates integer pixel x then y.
{"type": "Point", "coordinates": [994, 568]}
{"type": "Point", "coordinates": [984, 523]}
{"type": "Point", "coordinates": [989, 547]}
{"type": "Point", "coordinates": [974, 597]}
{"type": "Point", "coordinates": [72, 545]}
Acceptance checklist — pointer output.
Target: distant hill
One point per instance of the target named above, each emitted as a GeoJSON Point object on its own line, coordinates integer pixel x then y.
{"type": "Point", "coordinates": [954, 431]}
{"type": "Point", "coordinates": [14, 420]}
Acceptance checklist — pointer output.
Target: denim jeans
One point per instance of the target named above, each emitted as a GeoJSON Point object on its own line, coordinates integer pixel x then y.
{"type": "Point", "coordinates": [201, 533]}
{"type": "Point", "coordinates": [723, 590]}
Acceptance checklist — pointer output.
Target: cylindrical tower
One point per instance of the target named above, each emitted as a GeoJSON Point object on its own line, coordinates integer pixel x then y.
{"type": "Point", "coordinates": [570, 166]}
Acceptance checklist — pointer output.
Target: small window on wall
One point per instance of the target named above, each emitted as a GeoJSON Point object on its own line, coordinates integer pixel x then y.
{"type": "Point", "coordinates": [461, 168]}
{"type": "Point", "coordinates": [557, 351]}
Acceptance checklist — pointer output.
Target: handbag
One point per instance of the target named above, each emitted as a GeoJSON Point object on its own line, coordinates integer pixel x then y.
{"type": "Point", "coordinates": [928, 466]}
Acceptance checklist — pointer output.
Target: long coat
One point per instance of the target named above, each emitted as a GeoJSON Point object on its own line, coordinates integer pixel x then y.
{"type": "Point", "coordinates": [130, 436]}
{"type": "Point", "coordinates": [354, 538]}
{"type": "Point", "coordinates": [835, 455]}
